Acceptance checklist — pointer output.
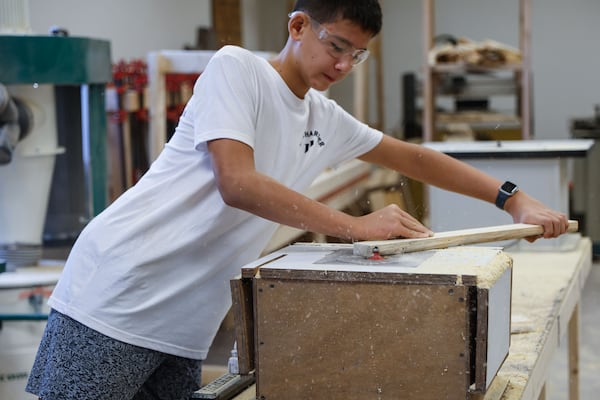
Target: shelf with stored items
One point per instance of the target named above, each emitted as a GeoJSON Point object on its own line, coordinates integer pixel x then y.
{"type": "Point", "coordinates": [472, 76]}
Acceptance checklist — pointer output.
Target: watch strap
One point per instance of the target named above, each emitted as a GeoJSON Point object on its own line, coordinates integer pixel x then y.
{"type": "Point", "coordinates": [506, 191]}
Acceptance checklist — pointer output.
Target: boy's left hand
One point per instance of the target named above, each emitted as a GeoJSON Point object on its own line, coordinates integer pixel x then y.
{"type": "Point", "coordinates": [525, 209]}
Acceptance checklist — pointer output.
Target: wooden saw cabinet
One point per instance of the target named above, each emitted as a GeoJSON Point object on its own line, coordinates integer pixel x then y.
{"type": "Point", "coordinates": [315, 321]}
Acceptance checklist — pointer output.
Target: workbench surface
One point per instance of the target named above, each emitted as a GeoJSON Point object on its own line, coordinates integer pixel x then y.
{"type": "Point", "coordinates": [547, 289]}
{"type": "Point", "coordinates": [546, 292]}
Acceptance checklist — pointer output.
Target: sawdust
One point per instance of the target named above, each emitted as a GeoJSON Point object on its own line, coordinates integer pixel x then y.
{"type": "Point", "coordinates": [485, 264]}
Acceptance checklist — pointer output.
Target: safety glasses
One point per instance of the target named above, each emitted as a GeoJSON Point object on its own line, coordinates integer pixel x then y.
{"type": "Point", "coordinates": [336, 46]}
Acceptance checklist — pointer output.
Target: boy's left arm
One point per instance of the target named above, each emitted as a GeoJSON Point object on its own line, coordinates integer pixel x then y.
{"type": "Point", "coordinates": [440, 170]}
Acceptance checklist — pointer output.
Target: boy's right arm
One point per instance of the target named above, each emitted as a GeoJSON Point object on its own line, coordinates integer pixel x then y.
{"type": "Point", "coordinates": [243, 187]}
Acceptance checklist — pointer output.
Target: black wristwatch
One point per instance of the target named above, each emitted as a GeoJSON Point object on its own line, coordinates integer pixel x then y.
{"type": "Point", "coordinates": [507, 190]}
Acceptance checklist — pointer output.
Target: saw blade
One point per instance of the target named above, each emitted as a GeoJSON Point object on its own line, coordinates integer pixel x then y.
{"type": "Point", "coordinates": [347, 256]}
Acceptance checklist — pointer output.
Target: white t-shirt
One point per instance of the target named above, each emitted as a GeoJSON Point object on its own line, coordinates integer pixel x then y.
{"type": "Point", "coordinates": [153, 269]}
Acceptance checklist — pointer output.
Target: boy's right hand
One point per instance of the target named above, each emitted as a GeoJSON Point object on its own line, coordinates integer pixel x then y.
{"type": "Point", "coordinates": [390, 222]}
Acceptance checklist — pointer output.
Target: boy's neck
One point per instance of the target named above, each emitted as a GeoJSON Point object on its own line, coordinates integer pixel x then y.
{"type": "Point", "coordinates": [284, 65]}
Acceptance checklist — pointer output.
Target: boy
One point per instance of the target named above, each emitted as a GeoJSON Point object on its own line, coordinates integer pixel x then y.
{"type": "Point", "coordinates": [146, 285]}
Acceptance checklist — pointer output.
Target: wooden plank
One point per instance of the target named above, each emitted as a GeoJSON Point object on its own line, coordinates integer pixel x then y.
{"type": "Point", "coordinates": [453, 238]}
{"type": "Point", "coordinates": [428, 81]}
{"type": "Point", "coordinates": [243, 306]}
{"type": "Point", "coordinates": [227, 23]}
{"type": "Point", "coordinates": [494, 392]}
{"type": "Point", "coordinates": [481, 341]}
{"type": "Point", "coordinates": [382, 277]}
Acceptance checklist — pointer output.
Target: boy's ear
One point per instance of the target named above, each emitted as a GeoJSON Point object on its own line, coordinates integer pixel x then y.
{"type": "Point", "coordinates": [297, 25]}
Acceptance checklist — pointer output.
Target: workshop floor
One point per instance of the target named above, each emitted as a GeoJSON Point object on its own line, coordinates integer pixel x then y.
{"type": "Point", "coordinates": [557, 384]}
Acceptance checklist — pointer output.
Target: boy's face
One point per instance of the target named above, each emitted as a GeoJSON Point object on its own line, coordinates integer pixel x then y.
{"type": "Point", "coordinates": [326, 53]}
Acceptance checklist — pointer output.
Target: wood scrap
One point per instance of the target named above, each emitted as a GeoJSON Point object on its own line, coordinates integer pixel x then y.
{"type": "Point", "coordinates": [494, 392]}
{"type": "Point", "coordinates": [453, 238]}
{"type": "Point", "coordinates": [487, 54]}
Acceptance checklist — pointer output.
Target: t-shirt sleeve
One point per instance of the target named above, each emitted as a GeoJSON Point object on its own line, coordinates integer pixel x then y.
{"type": "Point", "coordinates": [353, 138]}
{"type": "Point", "coordinates": [224, 100]}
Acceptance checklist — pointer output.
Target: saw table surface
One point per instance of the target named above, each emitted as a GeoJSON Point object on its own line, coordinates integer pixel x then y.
{"type": "Point", "coordinates": [546, 293]}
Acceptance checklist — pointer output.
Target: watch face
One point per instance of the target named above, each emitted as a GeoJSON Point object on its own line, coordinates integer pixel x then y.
{"type": "Point", "coordinates": [508, 187]}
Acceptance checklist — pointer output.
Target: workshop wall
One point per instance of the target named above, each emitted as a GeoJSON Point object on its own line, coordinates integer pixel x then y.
{"type": "Point", "coordinates": [133, 27]}
{"type": "Point", "coordinates": [564, 57]}
{"type": "Point", "coordinates": [565, 63]}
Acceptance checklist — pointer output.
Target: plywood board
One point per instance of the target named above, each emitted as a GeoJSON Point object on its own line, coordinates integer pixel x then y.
{"type": "Point", "coordinates": [242, 306]}
{"type": "Point", "coordinates": [361, 340]}
{"type": "Point", "coordinates": [453, 238]}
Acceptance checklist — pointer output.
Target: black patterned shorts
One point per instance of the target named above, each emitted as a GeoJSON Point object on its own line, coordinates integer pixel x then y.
{"type": "Point", "coordinates": [76, 362]}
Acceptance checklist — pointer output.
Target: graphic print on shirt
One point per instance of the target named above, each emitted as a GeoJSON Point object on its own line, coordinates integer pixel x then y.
{"type": "Point", "coordinates": [311, 138]}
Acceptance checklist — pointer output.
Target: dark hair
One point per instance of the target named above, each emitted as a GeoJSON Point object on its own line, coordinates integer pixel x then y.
{"type": "Point", "coordinates": [365, 13]}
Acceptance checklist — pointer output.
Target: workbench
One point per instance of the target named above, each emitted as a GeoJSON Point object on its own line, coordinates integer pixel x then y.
{"type": "Point", "coordinates": [546, 291]}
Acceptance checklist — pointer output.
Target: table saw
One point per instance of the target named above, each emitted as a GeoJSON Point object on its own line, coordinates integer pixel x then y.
{"type": "Point", "coordinates": [322, 322]}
